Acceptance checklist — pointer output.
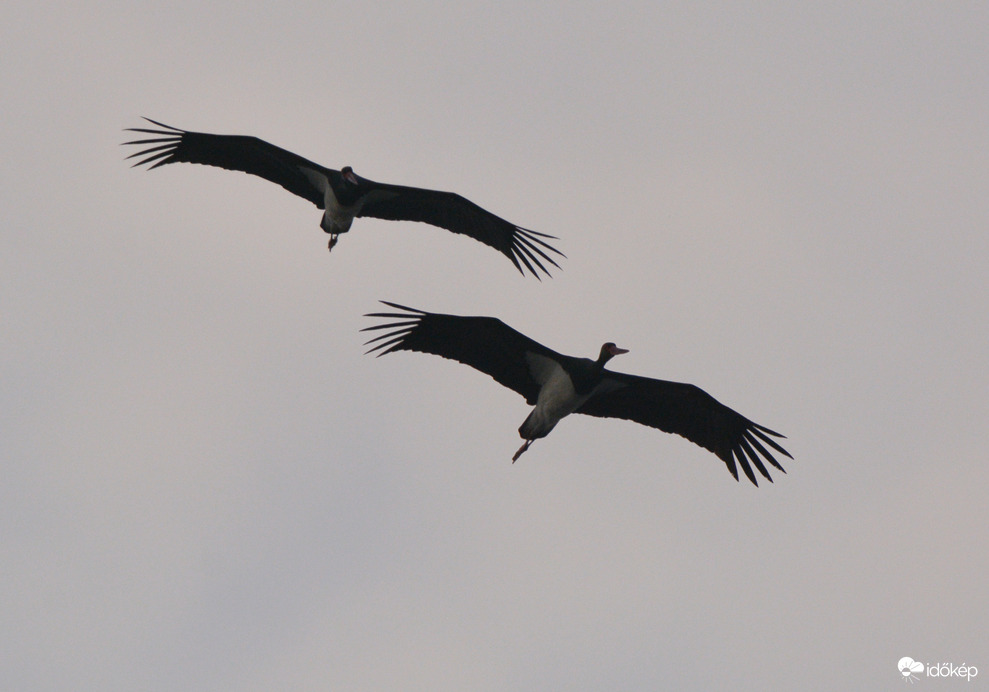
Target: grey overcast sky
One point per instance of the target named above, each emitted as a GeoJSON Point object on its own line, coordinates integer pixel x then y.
{"type": "Point", "coordinates": [207, 486]}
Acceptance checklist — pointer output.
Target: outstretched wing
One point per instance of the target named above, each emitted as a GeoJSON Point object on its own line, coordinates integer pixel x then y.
{"type": "Point", "coordinates": [484, 343]}
{"type": "Point", "coordinates": [233, 152]}
{"type": "Point", "coordinates": [455, 213]}
{"type": "Point", "coordinates": [689, 411]}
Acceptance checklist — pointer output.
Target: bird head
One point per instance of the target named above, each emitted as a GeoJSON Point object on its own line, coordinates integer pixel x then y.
{"type": "Point", "coordinates": [609, 351]}
{"type": "Point", "coordinates": [348, 174]}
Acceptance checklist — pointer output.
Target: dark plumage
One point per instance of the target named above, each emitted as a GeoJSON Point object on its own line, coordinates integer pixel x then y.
{"type": "Point", "coordinates": [558, 385]}
{"type": "Point", "coordinates": [344, 195]}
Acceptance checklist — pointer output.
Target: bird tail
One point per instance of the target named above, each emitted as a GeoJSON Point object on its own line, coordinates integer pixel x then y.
{"type": "Point", "coordinates": [536, 425]}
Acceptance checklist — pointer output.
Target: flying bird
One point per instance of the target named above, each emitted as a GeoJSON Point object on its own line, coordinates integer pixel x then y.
{"type": "Point", "coordinates": [343, 195]}
{"type": "Point", "coordinates": [558, 385]}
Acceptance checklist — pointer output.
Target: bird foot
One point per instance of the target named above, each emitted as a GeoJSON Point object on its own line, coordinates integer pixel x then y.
{"type": "Point", "coordinates": [521, 449]}
{"type": "Point", "coordinates": [333, 241]}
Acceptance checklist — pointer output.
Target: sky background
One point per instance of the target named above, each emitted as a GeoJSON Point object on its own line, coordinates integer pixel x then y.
{"type": "Point", "coordinates": [208, 486]}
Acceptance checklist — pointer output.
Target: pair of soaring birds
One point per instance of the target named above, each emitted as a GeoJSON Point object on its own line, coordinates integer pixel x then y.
{"type": "Point", "coordinates": [554, 384]}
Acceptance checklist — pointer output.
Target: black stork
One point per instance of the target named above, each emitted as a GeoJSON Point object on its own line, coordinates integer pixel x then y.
{"type": "Point", "coordinates": [559, 385]}
{"type": "Point", "coordinates": [344, 195]}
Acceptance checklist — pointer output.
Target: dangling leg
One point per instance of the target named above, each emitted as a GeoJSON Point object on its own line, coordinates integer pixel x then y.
{"type": "Point", "coordinates": [333, 241]}
{"type": "Point", "coordinates": [522, 449]}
